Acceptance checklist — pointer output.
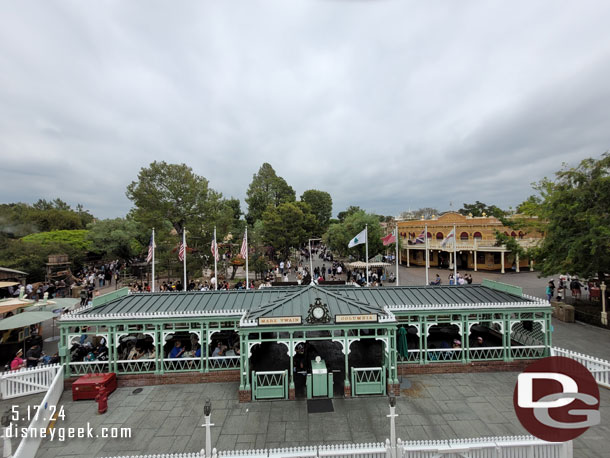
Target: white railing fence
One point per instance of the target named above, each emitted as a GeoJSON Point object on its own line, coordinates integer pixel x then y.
{"type": "Point", "coordinates": [485, 447]}
{"type": "Point", "coordinates": [29, 445]}
{"type": "Point", "coordinates": [600, 368]}
{"type": "Point", "coordinates": [29, 380]}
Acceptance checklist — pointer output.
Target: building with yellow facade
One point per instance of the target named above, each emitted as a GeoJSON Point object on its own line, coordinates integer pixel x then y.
{"type": "Point", "coordinates": [476, 247]}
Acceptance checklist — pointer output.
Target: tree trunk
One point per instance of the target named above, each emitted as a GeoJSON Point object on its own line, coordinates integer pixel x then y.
{"type": "Point", "coordinates": [233, 273]}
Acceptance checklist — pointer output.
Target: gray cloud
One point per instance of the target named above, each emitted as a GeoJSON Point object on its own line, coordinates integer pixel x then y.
{"type": "Point", "coordinates": [387, 105]}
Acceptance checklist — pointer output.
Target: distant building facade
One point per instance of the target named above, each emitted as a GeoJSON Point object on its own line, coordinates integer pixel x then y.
{"type": "Point", "coordinates": [476, 243]}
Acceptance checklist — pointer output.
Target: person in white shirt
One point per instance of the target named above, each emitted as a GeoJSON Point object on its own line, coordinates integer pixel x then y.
{"type": "Point", "coordinates": [281, 267]}
{"type": "Point", "coordinates": [213, 283]}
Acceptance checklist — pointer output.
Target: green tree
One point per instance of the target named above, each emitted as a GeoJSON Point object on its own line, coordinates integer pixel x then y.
{"type": "Point", "coordinates": [575, 207]}
{"type": "Point", "coordinates": [338, 235]}
{"type": "Point", "coordinates": [321, 204]}
{"type": "Point", "coordinates": [347, 212]}
{"type": "Point", "coordinates": [266, 188]}
{"type": "Point", "coordinates": [478, 208]}
{"type": "Point", "coordinates": [287, 226]}
{"type": "Point", "coordinates": [117, 238]}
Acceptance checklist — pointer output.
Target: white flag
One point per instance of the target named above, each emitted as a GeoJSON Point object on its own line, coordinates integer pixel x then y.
{"type": "Point", "coordinates": [450, 236]}
{"type": "Point", "coordinates": [359, 239]}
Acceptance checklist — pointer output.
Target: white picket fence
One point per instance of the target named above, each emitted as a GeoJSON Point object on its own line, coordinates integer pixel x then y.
{"type": "Point", "coordinates": [600, 368]}
{"type": "Point", "coordinates": [27, 381]}
{"type": "Point", "coordinates": [487, 447]}
{"type": "Point", "coordinates": [28, 447]}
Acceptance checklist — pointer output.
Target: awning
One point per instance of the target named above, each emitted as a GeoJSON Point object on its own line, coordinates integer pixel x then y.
{"type": "Point", "coordinates": [22, 320]}
{"type": "Point", "coordinates": [6, 284]}
{"type": "Point", "coordinates": [10, 305]}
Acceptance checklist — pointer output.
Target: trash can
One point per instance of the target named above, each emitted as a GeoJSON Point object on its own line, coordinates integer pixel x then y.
{"type": "Point", "coordinates": [320, 377]}
{"type": "Point", "coordinates": [560, 311]}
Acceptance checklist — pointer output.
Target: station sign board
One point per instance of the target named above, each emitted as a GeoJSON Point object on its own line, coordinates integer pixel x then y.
{"type": "Point", "coordinates": [366, 318]}
{"type": "Point", "coordinates": [279, 320]}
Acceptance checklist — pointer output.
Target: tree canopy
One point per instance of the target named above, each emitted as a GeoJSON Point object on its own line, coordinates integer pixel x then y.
{"type": "Point", "coordinates": [338, 235]}
{"type": "Point", "coordinates": [576, 209]}
{"type": "Point", "coordinates": [321, 204]}
{"type": "Point", "coordinates": [266, 188]}
{"type": "Point", "coordinates": [288, 225]}
{"type": "Point", "coordinates": [478, 208]}
{"type": "Point", "coordinates": [117, 238]}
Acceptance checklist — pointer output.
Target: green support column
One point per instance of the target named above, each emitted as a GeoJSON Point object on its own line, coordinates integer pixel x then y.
{"type": "Point", "coordinates": [64, 353]}
{"type": "Point", "coordinates": [246, 352]}
{"type": "Point", "coordinates": [423, 341]}
{"type": "Point", "coordinates": [548, 334]}
{"type": "Point", "coordinates": [346, 352]}
{"type": "Point", "coordinates": [159, 352]}
{"type": "Point", "coordinates": [113, 366]}
{"type": "Point", "coordinates": [507, 345]}
{"type": "Point", "coordinates": [205, 362]}
{"type": "Point", "coordinates": [242, 365]}
{"type": "Point", "coordinates": [394, 356]}
{"type": "Point", "coordinates": [291, 369]}
{"type": "Point", "coordinates": [465, 336]}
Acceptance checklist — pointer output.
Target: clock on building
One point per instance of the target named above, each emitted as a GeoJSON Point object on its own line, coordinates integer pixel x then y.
{"type": "Point", "coordinates": [318, 312]}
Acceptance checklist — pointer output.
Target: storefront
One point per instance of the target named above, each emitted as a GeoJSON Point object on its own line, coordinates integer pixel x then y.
{"type": "Point", "coordinates": [305, 341]}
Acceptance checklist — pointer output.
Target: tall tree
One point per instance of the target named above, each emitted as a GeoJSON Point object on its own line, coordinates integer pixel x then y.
{"type": "Point", "coordinates": [266, 188]}
{"type": "Point", "coordinates": [478, 208]}
{"type": "Point", "coordinates": [347, 212]}
{"type": "Point", "coordinates": [321, 204]}
{"type": "Point", "coordinates": [287, 226]}
{"type": "Point", "coordinates": [119, 238]}
{"type": "Point", "coordinates": [338, 235]}
{"type": "Point", "coordinates": [576, 209]}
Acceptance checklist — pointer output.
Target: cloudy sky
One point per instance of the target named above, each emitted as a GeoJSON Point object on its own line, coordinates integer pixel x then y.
{"type": "Point", "coordinates": [386, 104]}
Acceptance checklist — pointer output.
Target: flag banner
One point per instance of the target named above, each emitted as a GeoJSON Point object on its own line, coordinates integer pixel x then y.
{"type": "Point", "coordinates": [450, 236]}
{"type": "Point", "coordinates": [151, 247]}
{"type": "Point", "coordinates": [390, 238]}
{"type": "Point", "coordinates": [181, 251]}
{"type": "Point", "coordinates": [421, 238]}
{"type": "Point", "coordinates": [214, 249]}
{"type": "Point", "coordinates": [358, 240]}
{"type": "Point", "coordinates": [244, 248]}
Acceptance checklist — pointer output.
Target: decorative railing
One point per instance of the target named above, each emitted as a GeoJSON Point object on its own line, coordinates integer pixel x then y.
{"type": "Point", "coordinates": [219, 363]}
{"type": "Point", "coordinates": [467, 245]}
{"type": "Point", "coordinates": [485, 353]}
{"type": "Point", "coordinates": [368, 380]}
{"type": "Point", "coordinates": [528, 352]}
{"type": "Point", "coordinates": [483, 447]}
{"type": "Point", "coordinates": [182, 364]}
{"type": "Point", "coordinates": [270, 385]}
{"type": "Point", "coordinates": [600, 368]}
{"type": "Point", "coordinates": [27, 381]}
{"type": "Point", "coordinates": [135, 366]}
{"type": "Point", "coordinates": [88, 367]}
{"type": "Point", "coordinates": [411, 357]}
{"type": "Point", "coordinates": [439, 355]}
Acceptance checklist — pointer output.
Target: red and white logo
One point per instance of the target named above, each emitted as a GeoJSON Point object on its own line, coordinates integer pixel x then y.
{"type": "Point", "coordinates": [556, 399]}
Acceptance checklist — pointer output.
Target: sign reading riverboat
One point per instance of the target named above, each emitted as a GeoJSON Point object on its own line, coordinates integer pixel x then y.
{"type": "Point", "coordinates": [367, 318]}
{"type": "Point", "coordinates": [279, 320]}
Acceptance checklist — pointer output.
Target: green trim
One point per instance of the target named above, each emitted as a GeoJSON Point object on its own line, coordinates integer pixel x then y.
{"type": "Point", "coordinates": [504, 287]}
{"type": "Point", "coordinates": [108, 297]}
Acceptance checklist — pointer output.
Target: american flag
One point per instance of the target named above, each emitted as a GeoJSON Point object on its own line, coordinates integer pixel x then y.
{"type": "Point", "coordinates": [214, 249]}
{"type": "Point", "coordinates": [181, 251]}
{"type": "Point", "coordinates": [421, 238]}
{"type": "Point", "coordinates": [151, 248]}
{"type": "Point", "coordinates": [244, 248]}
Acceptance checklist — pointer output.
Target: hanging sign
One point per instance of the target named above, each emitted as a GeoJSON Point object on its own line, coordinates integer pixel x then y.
{"type": "Point", "coordinates": [263, 321]}
{"type": "Point", "coordinates": [371, 317]}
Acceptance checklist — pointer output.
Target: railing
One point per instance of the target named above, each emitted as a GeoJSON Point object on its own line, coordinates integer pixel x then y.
{"type": "Point", "coordinates": [27, 381]}
{"type": "Point", "coordinates": [270, 385]}
{"type": "Point", "coordinates": [470, 245]}
{"type": "Point", "coordinates": [44, 414]}
{"type": "Point", "coordinates": [182, 364]}
{"type": "Point", "coordinates": [88, 367]}
{"type": "Point", "coordinates": [412, 357]}
{"type": "Point", "coordinates": [368, 380]}
{"type": "Point", "coordinates": [528, 351]}
{"type": "Point", "coordinates": [439, 355]}
{"type": "Point", "coordinates": [600, 368]}
{"type": "Point", "coordinates": [135, 366]}
{"type": "Point", "coordinates": [218, 363]}
{"type": "Point", "coordinates": [485, 447]}
{"type": "Point", "coordinates": [485, 353]}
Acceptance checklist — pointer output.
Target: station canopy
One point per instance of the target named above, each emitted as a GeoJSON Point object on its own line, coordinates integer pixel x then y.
{"type": "Point", "coordinates": [250, 306]}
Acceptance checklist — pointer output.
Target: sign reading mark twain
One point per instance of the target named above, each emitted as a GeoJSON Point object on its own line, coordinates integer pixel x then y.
{"type": "Point", "coordinates": [279, 320]}
{"type": "Point", "coordinates": [368, 318]}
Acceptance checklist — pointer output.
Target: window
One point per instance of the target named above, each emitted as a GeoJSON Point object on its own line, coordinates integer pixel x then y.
{"type": "Point", "coordinates": [439, 236]}
{"type": "Point", "coordinates": [477, 236]}
{"type": "Point", "coordinates": [497, 258]}
{"type": "Point", "coordinates": [464, 236]}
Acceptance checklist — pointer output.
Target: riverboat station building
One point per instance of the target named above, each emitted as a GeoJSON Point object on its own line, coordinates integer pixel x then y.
{"type": "Point", "coordinates": [476, 244]}
{"type": "Point", "coordinates": [306, 341]}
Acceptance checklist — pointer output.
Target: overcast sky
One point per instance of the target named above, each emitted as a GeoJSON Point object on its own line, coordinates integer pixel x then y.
{"type": "Point", "coordinates": [388, 105]}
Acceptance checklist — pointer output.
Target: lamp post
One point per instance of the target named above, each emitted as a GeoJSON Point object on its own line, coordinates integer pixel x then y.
{"type": "Point", "coordinates": [8, 446]}
{"type": "Point", "coordinates": [392, 417]}
{"type": "Point", "coordinates": [207, 410]}
{"type": "Point", "coordinates": [311, 261]}
{"type": "Point", "coordinates": [604, 313]}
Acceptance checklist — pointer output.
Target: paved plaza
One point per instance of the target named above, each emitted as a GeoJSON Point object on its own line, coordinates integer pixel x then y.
{"type": "Point", "coordinates": [169, 418]}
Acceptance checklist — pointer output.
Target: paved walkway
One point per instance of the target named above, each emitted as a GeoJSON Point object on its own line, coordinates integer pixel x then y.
{"type": "Point", "coordinates": [168, 418]}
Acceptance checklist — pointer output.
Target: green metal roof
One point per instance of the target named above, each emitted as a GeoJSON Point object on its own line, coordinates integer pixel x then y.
{"type": "Point", "coordinates": [295, 300]}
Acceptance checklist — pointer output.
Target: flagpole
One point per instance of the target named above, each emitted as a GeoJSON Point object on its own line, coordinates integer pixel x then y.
{"type": "Point", "coordinates": [184, 257]}
{"type": "Point", "coordinates": [454, 256]}
{"type": "Point", "coordinates": [396, 236]}
{"type": "Point", "coordinates": [427, 255]}
{"type": "Point", "coordinates": [152, 288]}
{"type": "Point", "coordinates": [215, 266]}
{"type": "Point", "coordinates": [247, 256]}
{"type": "Point", "coordinates": [366, 228]}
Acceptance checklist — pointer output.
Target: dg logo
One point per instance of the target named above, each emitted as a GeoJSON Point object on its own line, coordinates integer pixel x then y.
{"type": "Point", "coordinates": [557, 399]}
